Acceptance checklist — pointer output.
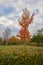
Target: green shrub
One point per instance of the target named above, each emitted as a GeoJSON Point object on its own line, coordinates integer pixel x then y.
{"type": "Point", "coordinates": [12, 43]}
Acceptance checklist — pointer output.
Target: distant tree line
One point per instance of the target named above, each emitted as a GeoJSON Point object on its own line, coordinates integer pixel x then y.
{"type": "Point", "coordinates": [13, 40]}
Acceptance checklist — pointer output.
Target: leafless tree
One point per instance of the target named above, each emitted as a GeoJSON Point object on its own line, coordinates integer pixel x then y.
{"type": "Point", "coordinates": [6, 35]}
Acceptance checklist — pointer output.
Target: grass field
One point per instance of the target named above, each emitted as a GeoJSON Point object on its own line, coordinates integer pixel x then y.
{"type": "Point", "coordinates": [20, 49]}
{"type": "Point", "coordinates": [21, 55]}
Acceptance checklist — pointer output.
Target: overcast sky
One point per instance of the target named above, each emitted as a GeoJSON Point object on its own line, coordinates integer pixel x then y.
{"type": "Point", "coordinates": [10, 13]}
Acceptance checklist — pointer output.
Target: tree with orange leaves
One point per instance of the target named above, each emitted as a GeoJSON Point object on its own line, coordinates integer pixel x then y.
{"type": "Point", "coordinates": [24, 34]}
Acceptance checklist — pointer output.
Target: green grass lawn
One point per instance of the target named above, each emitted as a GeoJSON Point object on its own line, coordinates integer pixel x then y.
{"type": "Point", "coordinates": [21, 55]}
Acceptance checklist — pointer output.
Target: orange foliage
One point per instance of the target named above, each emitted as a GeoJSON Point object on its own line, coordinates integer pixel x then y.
{"type": "Point", "coordinates": [13, 39]}
{"type": "Point", "coordinates": [24, 34]}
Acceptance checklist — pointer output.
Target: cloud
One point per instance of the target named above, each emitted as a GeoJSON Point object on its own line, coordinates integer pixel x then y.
{"type": "Point", "coordinates": [7, 22]}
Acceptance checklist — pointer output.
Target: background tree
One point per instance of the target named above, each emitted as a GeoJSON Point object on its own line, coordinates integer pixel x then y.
{"type": "Point", "coordinates": [6, 35]}
{"type": "Point", "coordinates": [38, 37]}
{"type": "Point", "coordinates": [13, 40]}
{"type": "Point", "coordinates": [24, 34]}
